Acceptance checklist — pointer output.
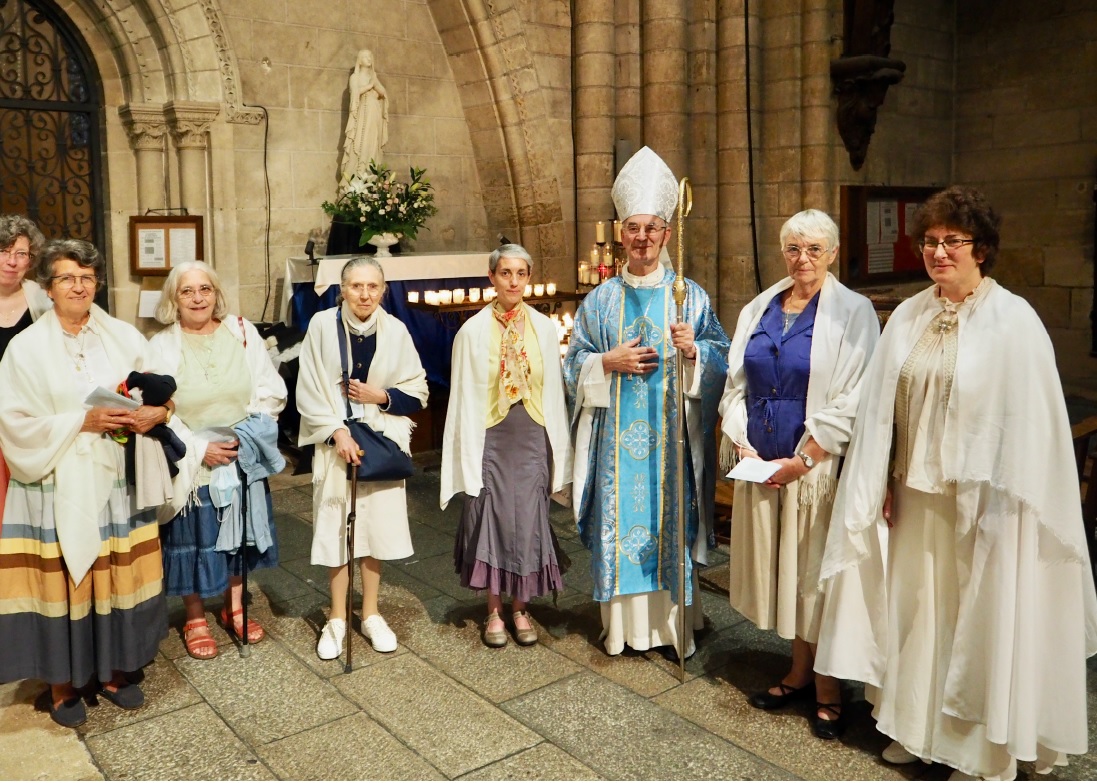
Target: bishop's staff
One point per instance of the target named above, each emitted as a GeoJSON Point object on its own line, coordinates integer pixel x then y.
{"type": "Point", "coordinates": [685, 206]}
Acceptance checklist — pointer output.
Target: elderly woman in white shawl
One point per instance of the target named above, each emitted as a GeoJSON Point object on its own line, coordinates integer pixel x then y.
{"type": "Point", "coordinates": [81, 593]}
{"type": "Point", "coordinates": [204, 349]}
{"type": "Point", "coordinates": [959, 584]}
{"type": "Point", "coordinates": [386, 385]}
{"type": "Point", "coordinates": [507, 448]}
{"type": "Point", "coordinates": [794, 367]}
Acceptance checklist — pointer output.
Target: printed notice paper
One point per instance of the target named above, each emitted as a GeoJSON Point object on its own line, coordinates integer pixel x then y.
{"type": "Point", "coordinates": [756, 470]}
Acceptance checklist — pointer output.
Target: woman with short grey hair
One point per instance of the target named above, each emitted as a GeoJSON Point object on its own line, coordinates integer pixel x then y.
{"type": "Point", "coordinates": [385, 385]}
{"type": "Point", "coordinates": [21, 300]}
{"type": "Point", "coordinates": [507, 447]}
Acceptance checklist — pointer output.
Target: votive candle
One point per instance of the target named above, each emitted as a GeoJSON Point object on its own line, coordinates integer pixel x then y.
{"type": "Point", "coordinates": [458, 295]}
{"type": "Point", "coordinates": [489, 294]}
{"type": "Point", "coordinates": [600, 232]}
{"type": "Point", "coordinates": [430, 297]}
{"type": "Point", "coordinates": [474, 294]}
{"type": "Point", "coordinates": [528, 291]}
{"type": "Point", "coordinates": [445, 297]}
{"type": "Point", "coordinates": [413, 296]}
{"type": "Point", "coordinates": [539, 289]}
{"type": "Point", "coordinates": [550, 289]}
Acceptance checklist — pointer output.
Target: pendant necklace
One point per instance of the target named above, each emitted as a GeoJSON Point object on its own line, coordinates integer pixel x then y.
{"type": "Point", "coordinates": [208, 363]}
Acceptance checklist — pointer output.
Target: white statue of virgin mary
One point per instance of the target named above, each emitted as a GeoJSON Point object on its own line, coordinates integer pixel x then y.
{"type": "Point", "coordinates": [368, 124]}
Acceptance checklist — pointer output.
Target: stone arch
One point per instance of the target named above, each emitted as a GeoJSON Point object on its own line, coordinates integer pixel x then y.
{"type": "Point", "coordinates": [524, 165]}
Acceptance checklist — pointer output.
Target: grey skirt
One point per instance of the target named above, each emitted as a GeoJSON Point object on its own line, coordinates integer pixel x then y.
{"type": "Point", "coordinates": [505, 544]}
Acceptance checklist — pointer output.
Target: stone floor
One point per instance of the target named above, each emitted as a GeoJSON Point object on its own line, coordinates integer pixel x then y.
{"type": "Point", "coordinates": [444, 706]}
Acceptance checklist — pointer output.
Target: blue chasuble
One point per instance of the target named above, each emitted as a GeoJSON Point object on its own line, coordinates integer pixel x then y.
{"type": "Point", "coordinates": [628, 515]}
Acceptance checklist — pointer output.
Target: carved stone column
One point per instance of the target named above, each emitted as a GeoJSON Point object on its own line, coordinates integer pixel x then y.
{"type": "Point", "coordinates": [147, 131]}
{"type": "Point", "coordinates": [190, 121]}
{"type": "Point", "coordinates": [594, 116]}
{"type": "Point", "coordinates": [665, 46]}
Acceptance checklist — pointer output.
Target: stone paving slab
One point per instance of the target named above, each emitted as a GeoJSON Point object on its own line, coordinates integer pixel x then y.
{"type": "Point", "coordinates": [543, 762]}
{"type": "Point", "coordinates": [189, 744]}
{"type": "Point", "coordinates": [626, 736]}
{"type": "Point", "coordinates": [33, 747]}
{"type": "Point", "coordinates": [351, 748]}
{"type": "Point", "coordinates": [267, 696]}
{"type": "Point", "coordinates": [165, 691]}
{"type": "Point", "coordinates": [451, 727]}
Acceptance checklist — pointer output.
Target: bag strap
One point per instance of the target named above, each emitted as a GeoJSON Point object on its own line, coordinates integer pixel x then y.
{"type": "Point", "coordinates": [343, 356]}
{"type": "Point", "coordinates": [243, 333]}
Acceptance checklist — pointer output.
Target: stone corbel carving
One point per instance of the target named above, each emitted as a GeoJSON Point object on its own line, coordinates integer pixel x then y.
{"type": "Point", "coordinates": [190, 121]}
{"type": "Point", "coordinates": [861, 83]}
{"type": "Point", "coordinates": [862, 75]}
{"type": "Point", "coordinates": [145, 125]}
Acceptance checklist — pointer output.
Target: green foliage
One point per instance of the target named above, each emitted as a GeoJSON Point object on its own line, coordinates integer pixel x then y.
{"type": "Point", "coordinates": [380, 205]}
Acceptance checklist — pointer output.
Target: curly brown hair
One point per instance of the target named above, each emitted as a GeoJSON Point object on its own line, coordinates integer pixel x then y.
{"type": "Point", "coordinates": [965, 209]}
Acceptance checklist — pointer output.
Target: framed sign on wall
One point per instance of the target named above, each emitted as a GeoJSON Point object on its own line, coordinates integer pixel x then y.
{"type": "Point", "coordinates": [158, 242]}
{"type": "Point", "coordinates": [875, 248]}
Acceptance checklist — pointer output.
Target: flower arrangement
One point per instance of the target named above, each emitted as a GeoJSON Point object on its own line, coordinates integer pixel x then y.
{"type": "Point", "coordinates": [381, 205]}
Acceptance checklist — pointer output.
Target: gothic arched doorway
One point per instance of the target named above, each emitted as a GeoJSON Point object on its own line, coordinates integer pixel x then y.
{"type": "Point", "coordinates": [50, 117]}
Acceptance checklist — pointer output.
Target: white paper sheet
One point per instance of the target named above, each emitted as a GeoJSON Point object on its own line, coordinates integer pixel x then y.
{"type": "Point", "coordinates": [151, 251]}
{"type": "Point", "coordinates": [184, 245]}
{"type": "Point", "coordinates": [105, 398]}
{"type": "Point", "coordinates": [756, 470]}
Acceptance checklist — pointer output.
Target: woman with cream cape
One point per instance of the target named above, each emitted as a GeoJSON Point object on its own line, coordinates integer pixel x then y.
{"type": "Point", "coordinates": [387, 383]}
{"type": "Point", "coordinates": [507, 448]}
{"type": "Point", "coordinates": [794, 368]}
{"type": "Point", "coordinates": [958, 582]}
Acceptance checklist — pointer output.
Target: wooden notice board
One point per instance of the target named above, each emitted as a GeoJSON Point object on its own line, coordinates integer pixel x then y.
{"type": "Point", "coordinates": [158, 242]}
{"type": "Point", "coordinates": [875, 248]}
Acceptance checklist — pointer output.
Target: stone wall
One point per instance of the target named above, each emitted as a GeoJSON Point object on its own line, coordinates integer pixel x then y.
{"type": "Point", "coordinates": [295, 60]}
{"type": "Point", "coordinates": [1026, 133]}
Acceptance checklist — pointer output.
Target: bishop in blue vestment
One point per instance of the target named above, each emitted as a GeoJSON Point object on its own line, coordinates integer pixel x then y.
{"type": "Point", "coordinates": [621, 374]}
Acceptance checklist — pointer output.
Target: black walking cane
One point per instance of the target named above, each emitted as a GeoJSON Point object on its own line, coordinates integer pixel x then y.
{"type": "Point", "coordinates": [245, 649]}
{"type": "Point", "coordinates": [352, 515]}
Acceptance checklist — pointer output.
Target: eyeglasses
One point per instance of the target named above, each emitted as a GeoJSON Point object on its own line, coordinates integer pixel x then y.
{"type": "Point", "coordinates": [634, 229]}
{"type": "Point", "coordinates": [373, 289]}
{"type": "Point", "coordinates": [952, 244]}
{"type": "Point", "coordinates": [66, 282]}
{"type": "Point", "coordinates": [205, 291]}
{"type": "Point", "coordinates": [792, 252]}
{"type": "Point", "coordinates": [18, 255]}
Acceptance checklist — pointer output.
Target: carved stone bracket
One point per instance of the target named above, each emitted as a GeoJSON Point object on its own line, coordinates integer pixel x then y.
{"type": "Point", "coordinates": [145, 124]}
{"type": "Point", "coordinates": [861, 82]}
{"type": "Point", "coordinates": [190, 121]}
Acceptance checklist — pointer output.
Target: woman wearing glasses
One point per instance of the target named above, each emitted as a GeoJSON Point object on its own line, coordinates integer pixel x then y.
{"type": "Point", "coordinates": [81, 593]}
{"type": "Point", "coordinates": [959, 587]}
{"type": "Point", "coordinates": [204, 349]}
{"type": "Point", "coordinates": [794, 369]}
{"type": "Point", "coordinates": [22, 301]}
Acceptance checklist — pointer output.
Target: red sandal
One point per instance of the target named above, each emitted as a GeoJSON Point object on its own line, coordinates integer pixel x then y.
{"type": "Point", "coordinates": [255, 631]}
{"type": "Point", "coordinates": [198, 641]}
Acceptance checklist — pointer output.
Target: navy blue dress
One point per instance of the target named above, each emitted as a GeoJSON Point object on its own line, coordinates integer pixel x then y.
{"type": "Point", "coordinates": [777, 367]}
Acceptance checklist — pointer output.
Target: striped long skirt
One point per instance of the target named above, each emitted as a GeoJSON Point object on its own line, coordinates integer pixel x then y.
{"type": "Point", "coordinates": [58, 631]}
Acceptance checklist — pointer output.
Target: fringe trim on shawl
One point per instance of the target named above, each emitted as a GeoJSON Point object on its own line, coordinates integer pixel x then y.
{"type": "Point", "coordinates": [728, 455]}
{"type": "Point", "coordinates": [821, 490]}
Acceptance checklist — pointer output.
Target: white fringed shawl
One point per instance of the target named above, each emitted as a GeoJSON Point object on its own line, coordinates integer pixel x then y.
{"type": "Point", "coordinates": [1027, 618]}
{"type": "Point", "coordinates": [268, 396]}
{"type": "Point", "coordinates": [322, 405]}
{"type": "Point", "coordinates": [463, 442]}
{"type": "Point", "coordinates": [41, 415]}
{"type": "Point", "coordinates": [845, 334]}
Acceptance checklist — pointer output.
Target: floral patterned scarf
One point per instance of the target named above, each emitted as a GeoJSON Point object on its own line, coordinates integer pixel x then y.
{"type": "Point", "coordinates": [513, 361]}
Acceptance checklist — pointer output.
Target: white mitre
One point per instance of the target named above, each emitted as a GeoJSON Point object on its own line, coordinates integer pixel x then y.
{"type": "Point", "coordinates": [645, 186]}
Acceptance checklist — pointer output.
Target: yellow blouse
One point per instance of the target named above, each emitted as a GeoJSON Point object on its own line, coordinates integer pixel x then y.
{"type": "Point", "coordinates": [536, 374]}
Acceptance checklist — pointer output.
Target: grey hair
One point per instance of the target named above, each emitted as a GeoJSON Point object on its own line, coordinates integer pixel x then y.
{"type": "Point", "coordinates": [83, 253]}
{"type": "Point", "coordinates": [508, 251]}
{"type": "Point", "coordinates": [167, 312]}
{"type": "Point", "coordinates": [360, 261]}
{"type": "Point", "coordinates": [809, 224]}
{"type": "Point", "coordinates": [14, 226]}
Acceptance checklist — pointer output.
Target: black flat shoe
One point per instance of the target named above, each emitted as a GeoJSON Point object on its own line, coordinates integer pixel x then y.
{"type": "Point", "coordinates": [128, 697]}
{"type": "Point", "coordinates": [69, 713]}
{"type": "Point", "coordinates": [826, 728]}
{"type": "Point", "coordinates": [764, 700]}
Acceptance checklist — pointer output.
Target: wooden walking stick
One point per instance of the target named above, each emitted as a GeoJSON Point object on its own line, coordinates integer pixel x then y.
{"type": "Point", "coordinates": [352, 515]}
{"type": "Point", "coordinates": [685, 206]}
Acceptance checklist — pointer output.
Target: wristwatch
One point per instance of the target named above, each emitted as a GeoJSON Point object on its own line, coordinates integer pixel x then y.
{"type": "Point", "coordinates": [807, 460]}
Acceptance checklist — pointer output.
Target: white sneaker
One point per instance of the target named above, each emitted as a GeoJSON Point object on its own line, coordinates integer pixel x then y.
{"type": "Point", "coordinates": [897, 754]}
{"type": "Point", "coordinates": [379, 634]}
{"type": "Point", "coordinates": [330, 645]}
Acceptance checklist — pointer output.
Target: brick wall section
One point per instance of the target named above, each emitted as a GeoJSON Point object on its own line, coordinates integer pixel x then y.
{"type": "Point", "coordinates": [295, 59]}
{"type": "Point", "coordinates": [1026, 133]}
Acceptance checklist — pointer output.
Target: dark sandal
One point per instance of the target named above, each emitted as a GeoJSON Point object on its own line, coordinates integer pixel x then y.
{"type": "Point", "coordinates": [255, 631]}
{"type": "Point", "coordinates": [765, 700]}
{"type": "Point", "coordinates": [827, 728]}
{"type": "Point", "coordinates": [128, 697]}
{"type": "Point", "coordinates": [70, 713]}
{"type": "Point", "coordinates": [197, 638]}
